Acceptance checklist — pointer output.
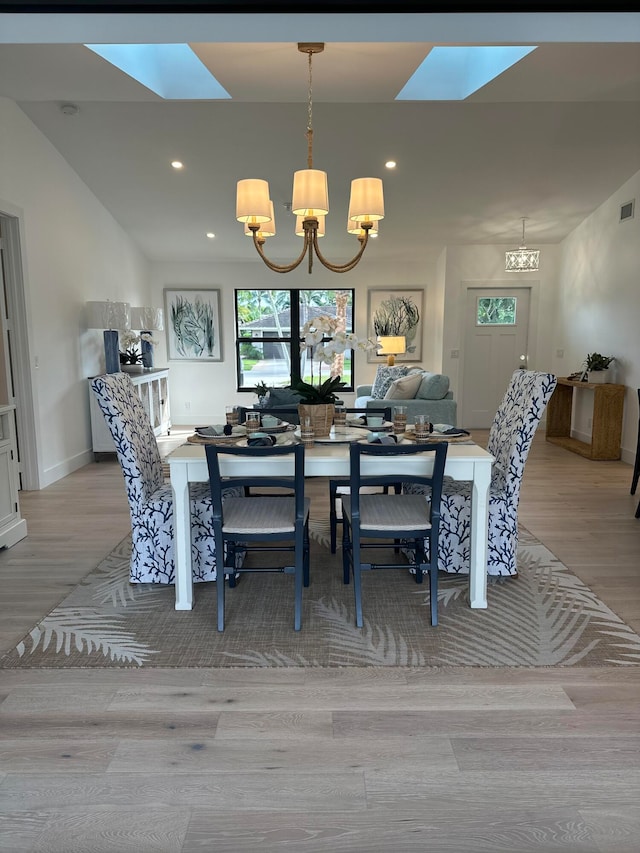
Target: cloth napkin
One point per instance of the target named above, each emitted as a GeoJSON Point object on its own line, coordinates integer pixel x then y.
{"type": "Point", "coordinates": [375, 438]}
{"type": "Point", "coordinates": [261, 439]}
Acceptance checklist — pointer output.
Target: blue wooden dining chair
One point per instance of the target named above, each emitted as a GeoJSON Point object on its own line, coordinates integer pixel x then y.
{"type": "Point", "coordinates": [383, 519]}
{"type": "Point", "coordinates": [260, 522]}
{"type": "Point", "coordinates": [340, 486]}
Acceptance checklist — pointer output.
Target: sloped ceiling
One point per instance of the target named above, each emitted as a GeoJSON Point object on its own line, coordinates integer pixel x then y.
{"type": "Point", "coordinates": [550, 139]}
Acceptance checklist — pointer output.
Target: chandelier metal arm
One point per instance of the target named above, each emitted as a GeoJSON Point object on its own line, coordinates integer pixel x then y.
{"type": "Point", "coordinates": [350, 264]}
{"type": "Point", "coordinates": [258, 242]}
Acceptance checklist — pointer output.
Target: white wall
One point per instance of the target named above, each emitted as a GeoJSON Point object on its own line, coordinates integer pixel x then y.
{"type": "Point", "coordinates": [479, 265]}
{"type": "Point", "coordinates": [209, 387]}
{"type": "Point", "coordinates": [73, 251]}
{"type": "Point", "coordinates": [599, 303]}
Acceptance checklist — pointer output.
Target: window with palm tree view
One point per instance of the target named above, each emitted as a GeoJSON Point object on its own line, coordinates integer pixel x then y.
{"type": "Point", "coordinates": [270, 346]}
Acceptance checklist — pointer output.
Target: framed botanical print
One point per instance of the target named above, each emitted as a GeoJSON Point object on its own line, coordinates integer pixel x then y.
{"type": "Point", "coordinates": [193, 324]}
{"type": "Point", "coordinates": [395, 313]}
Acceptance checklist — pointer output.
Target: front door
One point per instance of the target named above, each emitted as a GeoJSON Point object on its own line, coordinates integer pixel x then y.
{"type": "Point", "coordinates": [495, 344]}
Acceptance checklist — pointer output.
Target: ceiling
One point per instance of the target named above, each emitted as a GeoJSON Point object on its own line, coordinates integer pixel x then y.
{"type": "Point", "coordinates": [549, 139]}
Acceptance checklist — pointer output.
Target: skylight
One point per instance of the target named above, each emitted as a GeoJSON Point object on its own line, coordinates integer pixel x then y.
{"type": "Point", "coordinates": [454, 73]}
{"type": "Point", "coordinates": [172, 71]}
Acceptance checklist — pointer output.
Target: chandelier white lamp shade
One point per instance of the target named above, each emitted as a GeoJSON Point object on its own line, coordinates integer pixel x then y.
{"type": "Point", "coordinates": [310, 193]}
{"type": "Point", "coordinates": [110, 317]}
{"type": "Point", "coordinates": [310, 202]}
{"type": "Point", "coordinates": [522, 259]}
{"type": "Point", "coordinates": [367, 200]}
{"type": "Point", "coordinates": [391, 346]}
{"type": "Point", "coordinates": [147, 320]}
{"type": "Point", "coordinates": [252, 201]}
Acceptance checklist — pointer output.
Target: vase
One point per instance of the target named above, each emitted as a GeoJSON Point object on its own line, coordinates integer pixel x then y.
{"type": "Point", "coordinates": [321, 415]}
{"type": "Point", "coordinates": [132, 368]}
{"type": "Point", "coordinates": [600, 377]}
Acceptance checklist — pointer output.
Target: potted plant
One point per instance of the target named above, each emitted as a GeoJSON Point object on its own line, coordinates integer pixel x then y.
{"type": "Point", "coordinates": [325, 341]}
{"type": "Point", "coordinates": [130, 357]}
{"type": "Point", "coordinates": [596, 367]}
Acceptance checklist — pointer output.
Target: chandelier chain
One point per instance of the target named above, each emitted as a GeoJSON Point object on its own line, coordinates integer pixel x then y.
{"type": "Point", "coordinates": [310, 116]}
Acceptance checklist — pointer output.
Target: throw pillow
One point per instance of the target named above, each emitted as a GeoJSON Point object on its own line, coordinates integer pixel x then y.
{"type": "Point", "coordinates": [384, 377]}
{"type": "Point", "coordinates": [434, 386]}
{"type": "Point", "coordinates": [404, 388]}
{"type": "Point", "coordinates": [282, 397]}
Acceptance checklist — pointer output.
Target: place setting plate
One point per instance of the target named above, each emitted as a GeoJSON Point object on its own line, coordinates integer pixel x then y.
{"type": "Point", "coordinates": [283, 426]}
{"type": "Point", "coordinates": [339, 436]}
{"type": "Point", "coordinates": [209, 435]}
{"type": "Point", "coordinates": [403, 440]}
{"type": "Point", "coordinates": [359, 423]}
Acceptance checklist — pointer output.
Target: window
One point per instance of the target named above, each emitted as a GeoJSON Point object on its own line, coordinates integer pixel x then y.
{"type": "Point", "coordinates": [496, 311]}
{"type": "Point", "coordinates": [269, 348]}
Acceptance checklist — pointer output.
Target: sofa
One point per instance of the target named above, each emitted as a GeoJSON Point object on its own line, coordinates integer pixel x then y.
{"type": "Point", "coordinates": [422, 392]}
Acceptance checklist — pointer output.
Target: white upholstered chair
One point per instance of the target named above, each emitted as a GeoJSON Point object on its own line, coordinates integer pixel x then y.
{"type": "Point", "coordinates": [509, 442]}
{"type": "Point", "coordinates": [150, 498]}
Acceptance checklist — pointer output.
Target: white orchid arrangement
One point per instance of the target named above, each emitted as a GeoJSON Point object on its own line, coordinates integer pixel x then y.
{"type": "Point", "coordinates": [129, 346]}
{"type": "Point", "coordinates": [313, 333]}
{"type": "Point", "coordinates": [324, 326]}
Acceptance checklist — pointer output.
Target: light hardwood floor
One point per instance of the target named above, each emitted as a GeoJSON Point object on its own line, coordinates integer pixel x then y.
{"type": "Point", "coordinates": [366, 760]}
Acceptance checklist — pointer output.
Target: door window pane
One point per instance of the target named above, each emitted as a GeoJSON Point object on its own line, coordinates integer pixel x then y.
{"type": "Point", "coordinates": [497, 311]}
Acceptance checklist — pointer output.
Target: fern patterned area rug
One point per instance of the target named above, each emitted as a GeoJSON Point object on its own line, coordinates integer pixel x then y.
{"type": "Point", "coordinates": [545, 616]}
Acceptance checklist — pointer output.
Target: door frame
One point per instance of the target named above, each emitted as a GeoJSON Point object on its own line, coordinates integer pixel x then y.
{"type": "Point", "coordinates": [20, 354]}
{"type": "Point", "coordinates": [532, 285]}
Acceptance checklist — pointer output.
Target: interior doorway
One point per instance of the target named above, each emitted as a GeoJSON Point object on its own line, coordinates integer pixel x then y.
{"type": "Point", "coordinates": [15, 374]}
{"type": "Point", "coordinates": [496, 336]}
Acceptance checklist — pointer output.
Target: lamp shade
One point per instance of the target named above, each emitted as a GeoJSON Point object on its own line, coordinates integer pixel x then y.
{"type": "Point", "coordinates": [147, 318]}
{"type": "Point", "coordinates": [300, 227]}
{"type": "Point", "coordinates": [252, 201]}
{"type": "Point", "coordinates": [392, 345]}
{"type": "Point", "coordinates": [310, 193]}
{"type": "Point", "coordinates": [367, 200]}
{"type": "Point", "coordinates": [522, 260]}
{"type": "Point", "coordinates": [108, 315]}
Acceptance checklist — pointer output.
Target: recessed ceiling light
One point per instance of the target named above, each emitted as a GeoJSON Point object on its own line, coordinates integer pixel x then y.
{"type": "Point", "coordinates": [210, 235]}
{"type": "Point", "coordinates": [176, 164]}
{"type": "Point", "coordinates": [390, 164]}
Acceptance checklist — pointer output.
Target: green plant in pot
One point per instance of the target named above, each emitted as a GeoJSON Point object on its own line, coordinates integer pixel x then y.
{"type": "Point", "coordinates": [595, 363]}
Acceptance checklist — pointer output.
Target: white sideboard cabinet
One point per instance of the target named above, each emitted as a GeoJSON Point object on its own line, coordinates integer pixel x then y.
{"type": "Point", "coordinates": [153, 389]}
{"type": "Point", "coordinates": [13, 528]}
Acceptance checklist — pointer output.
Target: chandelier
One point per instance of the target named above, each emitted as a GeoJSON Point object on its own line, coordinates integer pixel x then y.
{"type": "Point", "coordinates": [310, 202]}
{"type": "Point", "coordinates": [522, 259]}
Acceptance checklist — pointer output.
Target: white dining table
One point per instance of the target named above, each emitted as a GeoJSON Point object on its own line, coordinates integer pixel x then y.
{"type": "Point", "coordinates": [469, 462]}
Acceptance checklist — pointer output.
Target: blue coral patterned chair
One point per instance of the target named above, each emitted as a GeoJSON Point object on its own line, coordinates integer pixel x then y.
{"type": "Point", "coordinates": [510, 438]}
{"type": "Point", "coordinates": [150, 498]}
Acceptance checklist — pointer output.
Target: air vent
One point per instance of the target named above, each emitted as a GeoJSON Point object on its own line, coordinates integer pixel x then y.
{"type": "Point", "coordinates": [627, 209]}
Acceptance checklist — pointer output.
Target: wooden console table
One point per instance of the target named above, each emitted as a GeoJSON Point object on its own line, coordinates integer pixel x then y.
{"type": "Point", "coordinates": [606, 430]}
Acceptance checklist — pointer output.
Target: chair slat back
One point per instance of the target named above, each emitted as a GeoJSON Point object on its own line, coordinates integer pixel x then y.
{"type": "Point", "coordinates": [428, 470]}
{"type": "Point", "coordinates": [261, 471]}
